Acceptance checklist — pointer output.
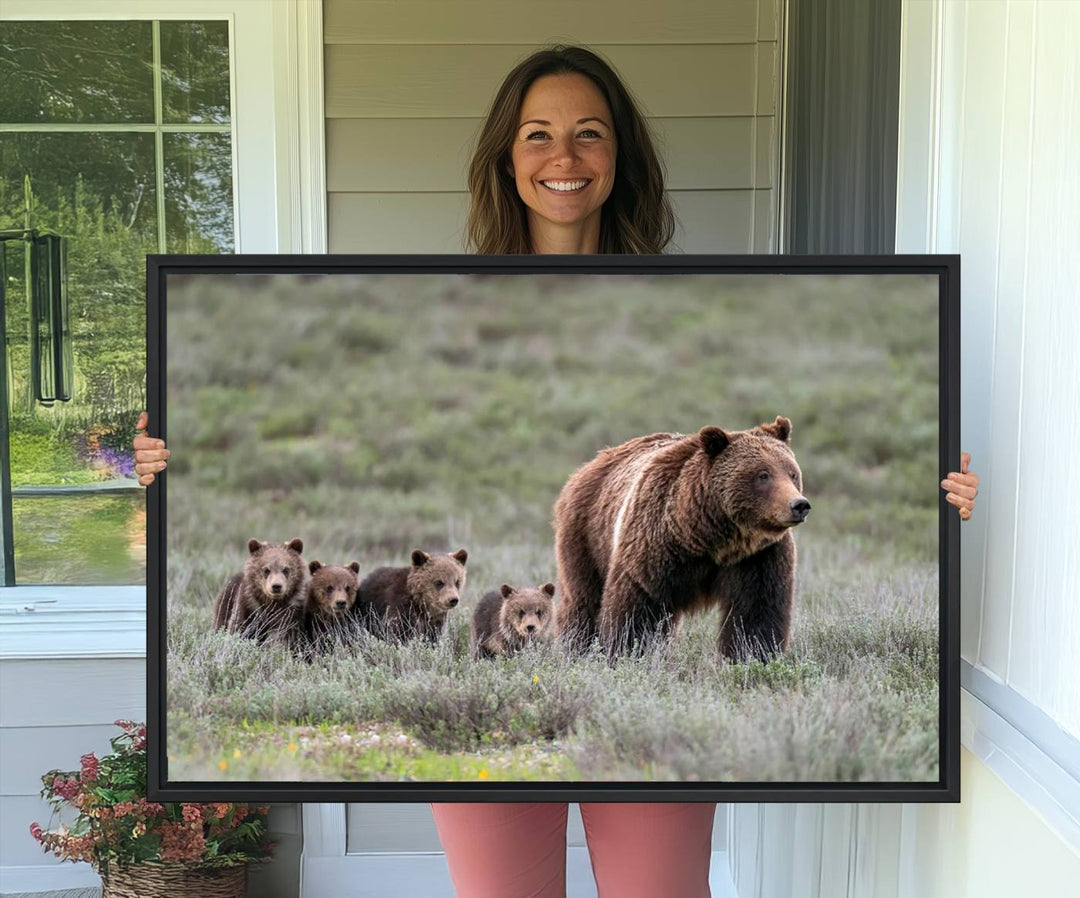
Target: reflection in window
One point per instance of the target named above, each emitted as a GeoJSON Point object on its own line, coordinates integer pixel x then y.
{"type": "Point", "coordinates": [142, 164]}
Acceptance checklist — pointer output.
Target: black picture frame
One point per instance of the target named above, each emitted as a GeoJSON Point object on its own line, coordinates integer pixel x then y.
{"type": "Point", "coordinates": [947, 789]}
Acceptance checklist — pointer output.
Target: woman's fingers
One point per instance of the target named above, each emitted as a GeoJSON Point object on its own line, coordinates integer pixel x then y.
{"type": "Point", "coordinates": [965, 485]}
{"type": "Point", "coordinates": [150, 453]}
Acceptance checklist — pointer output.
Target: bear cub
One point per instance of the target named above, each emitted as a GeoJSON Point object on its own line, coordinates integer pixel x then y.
{"type": "Point", "coordinates": [508, 619]}
{"type": "Point", "coordinates": [328, 617]}
{"type": "Point", "coordinates": [269, 596]}
{"type": "Point", "coordinates": [400, 603]}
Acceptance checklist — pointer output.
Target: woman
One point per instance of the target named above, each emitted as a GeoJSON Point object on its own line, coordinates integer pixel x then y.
{"type": "Point", "coordinates": [565, 164]}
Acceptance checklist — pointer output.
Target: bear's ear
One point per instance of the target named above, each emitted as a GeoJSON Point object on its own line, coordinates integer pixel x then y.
{"type": "Point", "coordinates": [419, 559]}
{"type": "Point", "coordinates": [507, 590]}
{"type": "Point", "coordinates": [549, 588]}
{"type": "Point", "coordinates": [354, 566]}
{"type": "Point", "coordinates": [297, 545]}
{"type": "Point", "coordinates": [254, 545]}
{"type": "Point", "coordinates": [461, 555]}
{"type": "Point", "coordinates": [780, 428]}
{"type": "Point", "coordinates": [313, 566]}
{"type": "Point", "coordinates": [713, 440]}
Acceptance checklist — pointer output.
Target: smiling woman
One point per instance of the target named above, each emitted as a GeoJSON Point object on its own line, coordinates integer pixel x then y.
{"type": "Point", "coordinates": [565, 164]}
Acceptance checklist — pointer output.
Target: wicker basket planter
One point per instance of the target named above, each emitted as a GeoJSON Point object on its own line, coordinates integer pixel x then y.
{"type": "Point", "coordinates": [174, 881]}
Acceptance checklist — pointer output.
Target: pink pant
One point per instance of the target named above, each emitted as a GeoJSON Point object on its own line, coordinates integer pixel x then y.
{"type": "Point", "coordinates": [519, 850]}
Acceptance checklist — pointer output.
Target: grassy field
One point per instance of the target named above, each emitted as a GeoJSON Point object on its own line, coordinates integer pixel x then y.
{"type": "Point", "coordinates": [373, 415]}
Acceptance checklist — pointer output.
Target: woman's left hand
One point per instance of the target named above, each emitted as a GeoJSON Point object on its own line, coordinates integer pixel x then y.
{"type": "Point", "coordinates": [962, 487]}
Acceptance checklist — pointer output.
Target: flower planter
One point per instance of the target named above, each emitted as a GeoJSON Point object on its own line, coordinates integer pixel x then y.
{"type": "Point", "coordinates": [174, 881]}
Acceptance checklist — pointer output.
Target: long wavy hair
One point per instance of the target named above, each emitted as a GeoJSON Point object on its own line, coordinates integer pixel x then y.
{"type": "Point", "coordinates": [636, 218]}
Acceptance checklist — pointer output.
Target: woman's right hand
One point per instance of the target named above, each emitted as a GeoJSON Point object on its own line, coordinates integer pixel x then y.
{"type": "Point", "coordinates": [150, 454]}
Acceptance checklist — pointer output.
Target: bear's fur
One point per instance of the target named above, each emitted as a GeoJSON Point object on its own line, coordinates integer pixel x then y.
{"type": "Point", "coordinates": [670, 523]}
{"type": "Point", "coordinates": [400, 603]}
{"type": "Point", "coordinates": [508, 619]}
{"type": "Point", "coordinates": [269, 597]}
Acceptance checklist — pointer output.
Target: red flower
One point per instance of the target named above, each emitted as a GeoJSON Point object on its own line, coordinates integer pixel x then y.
{"type": "Point", "coordinates": [36, 832]}
{"type": "Point", "coordinates": [66, 789]}
{"type": "Point", "coordinates": [89, 768]}
{"type": "Point", "coordinates": [192, 813]}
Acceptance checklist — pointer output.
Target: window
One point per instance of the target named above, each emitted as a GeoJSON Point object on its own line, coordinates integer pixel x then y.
{"type": "Point", "coordinates": [118, 136]}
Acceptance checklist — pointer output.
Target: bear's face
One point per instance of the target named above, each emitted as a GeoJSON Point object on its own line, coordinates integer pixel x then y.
{"type": "Point", "coordinates": [333, 588]}
{"type": "Point", "coordinates": [436, 581]}
{"type": "Point", "coordinates": [754, 478]}
{"type": "Point", "coordinates": [528, 613]}
{"type": "Point", "coordinates": [277, 569]}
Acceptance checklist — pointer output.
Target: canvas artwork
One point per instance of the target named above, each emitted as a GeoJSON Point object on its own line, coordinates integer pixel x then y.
{"type": "Point", "coordinates": [475, 529]}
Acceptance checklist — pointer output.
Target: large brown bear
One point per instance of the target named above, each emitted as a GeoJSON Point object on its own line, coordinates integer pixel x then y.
{"type": "Point", "coordinates": [400, 603]}
{"type": "Point", "coordinates": [268, 598]}
{"type": "Point", "coordinates": [667, 523]}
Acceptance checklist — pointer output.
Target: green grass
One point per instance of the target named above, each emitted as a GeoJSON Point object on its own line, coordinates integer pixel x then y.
{"type": "Point", "coordinates": [373, 415]}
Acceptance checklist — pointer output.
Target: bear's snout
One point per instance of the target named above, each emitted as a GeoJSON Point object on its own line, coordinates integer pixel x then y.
{"type": "Point", "coordinates": [453, 602]}
{"type": "Point", "coordinates": [276, 588]}
{"type": "Point", "coordinates": [531, 628]}
{"type": "Point", "coordinates": [340, 604]}
{"type": "Point", "coordinates": [800, 508]}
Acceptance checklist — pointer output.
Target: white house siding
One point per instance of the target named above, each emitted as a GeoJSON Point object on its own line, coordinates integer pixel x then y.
{"type": "Point", "coordinates": [988, 168]}
{"type": "Point", "coordinates": [407, 85]}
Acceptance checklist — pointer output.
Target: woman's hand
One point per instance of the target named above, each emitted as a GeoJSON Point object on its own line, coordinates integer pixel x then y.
{"type": "Point", "coordinates": [150, 454]}
{"type": "Point", "coordinates": [961, 487]}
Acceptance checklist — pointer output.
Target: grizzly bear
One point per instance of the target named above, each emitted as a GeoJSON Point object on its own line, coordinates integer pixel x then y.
{"type": "Point", "coordinates": [399, 603]}
{"type": "Point", "coordinates": [508, 619]}
{"type": "Point", "coordinates": [331, 596]}
{"type": "Point", "coordinates": [268, 598]}
{"type": "Point", "coordinates": [669, 523]}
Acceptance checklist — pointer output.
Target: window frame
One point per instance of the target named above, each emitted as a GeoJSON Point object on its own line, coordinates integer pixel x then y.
{"type": "Point", "coordinates": [276, 57]}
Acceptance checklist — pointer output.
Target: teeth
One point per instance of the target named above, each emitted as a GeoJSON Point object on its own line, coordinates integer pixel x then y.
{"type": "Point", "coordinates": [565, 185]}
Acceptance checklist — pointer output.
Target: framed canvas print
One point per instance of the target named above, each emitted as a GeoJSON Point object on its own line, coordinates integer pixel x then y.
{"type": "Point", "coordinates": [554, 528]}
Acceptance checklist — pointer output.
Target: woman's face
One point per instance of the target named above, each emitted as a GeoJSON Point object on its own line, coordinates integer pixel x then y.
{"type": "Point", "coordinates": [563, 154]}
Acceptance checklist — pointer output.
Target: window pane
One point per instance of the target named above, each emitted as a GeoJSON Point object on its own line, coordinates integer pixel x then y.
{"type": "Point", "coordinates": [76, 72]}
{"type": "Point", "coordinates": [198, 193]}
{"type": "Point", "coordinates": [81, 540]}
{"type": "Point", "coordinates": [195, 71]}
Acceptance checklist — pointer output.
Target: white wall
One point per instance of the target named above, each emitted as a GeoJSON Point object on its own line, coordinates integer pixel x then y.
{"type": "Point", "coordinates": [989, 167]}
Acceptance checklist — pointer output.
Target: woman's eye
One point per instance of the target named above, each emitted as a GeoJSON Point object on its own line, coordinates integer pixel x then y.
{"type": "Point", "coordinates": [536, 135]}
{"type": "Point", "coordinates": [589, 132]}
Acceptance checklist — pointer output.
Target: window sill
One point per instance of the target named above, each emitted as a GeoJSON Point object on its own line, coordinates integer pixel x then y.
{"type": "Point", "coordinates": [73, 622]}
{"type": "Point", "coordinates": [1031, 755]}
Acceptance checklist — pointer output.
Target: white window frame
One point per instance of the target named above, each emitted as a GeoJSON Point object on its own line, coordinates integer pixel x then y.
{"type": "Point", "coordinates": [279, 206]}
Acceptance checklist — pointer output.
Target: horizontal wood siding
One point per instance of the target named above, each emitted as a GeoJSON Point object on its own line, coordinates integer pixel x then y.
{"type": "Point", "coordinates": [408, 83]}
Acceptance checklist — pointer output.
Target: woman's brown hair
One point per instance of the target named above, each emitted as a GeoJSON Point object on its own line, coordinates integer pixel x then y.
{"type": "Point", "coordinates": [637, 216]}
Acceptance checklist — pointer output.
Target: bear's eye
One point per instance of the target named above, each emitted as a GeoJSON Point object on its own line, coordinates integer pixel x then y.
{"type": "Point", "coordinates": [521, 615]}
{"type": "Point", "coordinates": [795, 479]}
{"type": "Point", "coordinates": [266, 572]}
{"type": "Point", "coordinates": [439, 584]}
{"type": "Point", "coordinates": [457, 584]}
{"type": "Point", "coordinates": [540, 612]}
{"type": "Point", "coordinates": [285, 571]}
{"type": "Point", "coordinates": [763, 476]}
